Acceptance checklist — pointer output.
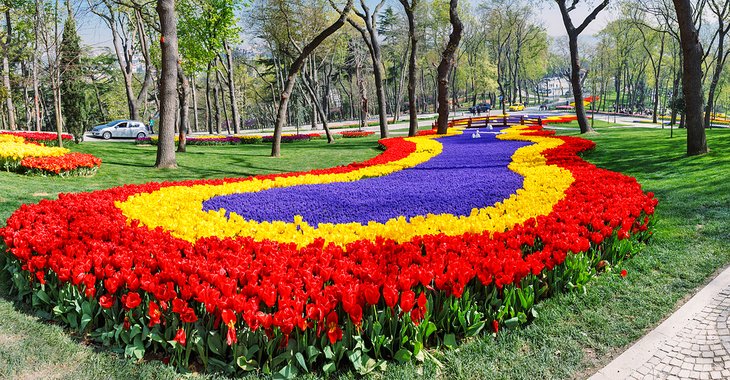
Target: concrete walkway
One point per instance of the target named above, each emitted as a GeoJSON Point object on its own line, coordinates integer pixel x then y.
{"type": "Point", "coordinates": [693, 343]}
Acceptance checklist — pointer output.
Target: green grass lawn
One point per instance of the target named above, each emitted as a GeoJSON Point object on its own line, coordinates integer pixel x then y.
{"type": "Point", "coordinates": [576, 333]}
{"type": "Point", "coordinates": [598, 123]}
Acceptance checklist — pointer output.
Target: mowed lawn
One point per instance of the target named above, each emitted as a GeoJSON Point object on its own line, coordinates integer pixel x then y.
{"type": "Point", "coordinates": [575, 334]}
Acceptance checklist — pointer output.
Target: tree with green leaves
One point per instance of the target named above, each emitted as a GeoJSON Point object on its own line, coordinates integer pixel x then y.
{"type": "Point", "coordinates": [129, 38]}
{"type": "Point", "coordinates": [73, 94]}
{"type": "Point", "coordinates": [410, 6]}
{"type": "Point", "coordinates": [369, 33]}
{"type": "Point", "coordinates": [447, 58]}
{"type": "Point", "coordinates": [573, 33]}
{"type": "Point", "coordinates": [691, 78]}
{"type": "Point", "coordinates": [295, 68]}
{"type": "Point", "coordinates": [7, 42]}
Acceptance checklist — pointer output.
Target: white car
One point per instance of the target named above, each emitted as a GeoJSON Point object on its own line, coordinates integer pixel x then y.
{"type": "Point", "coordinates": [129, 129]}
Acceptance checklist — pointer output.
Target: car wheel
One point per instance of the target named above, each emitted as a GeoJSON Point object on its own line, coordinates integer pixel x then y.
{"type": "Point", "coordinates": [140, 135]}
{"type": "Point", "coordinates": [106, 135]}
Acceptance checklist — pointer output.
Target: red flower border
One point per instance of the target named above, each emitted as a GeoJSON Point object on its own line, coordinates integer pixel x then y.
{"type": "Point", "coordinates": [69, 162]}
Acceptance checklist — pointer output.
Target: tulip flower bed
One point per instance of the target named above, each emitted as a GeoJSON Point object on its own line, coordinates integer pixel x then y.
{"type": "Point", "coordinates": [291, 138]}
{"type": "Point", "coordinates": [45, 138]}
{"type": "Point", "coordinates": [354, 134]}
{"type": "Point", "coordinates": [32, 157]}
{"type": "Point", "coordinates": [71, 164]}
{"type": "Point", "coordinates": [475, 231]}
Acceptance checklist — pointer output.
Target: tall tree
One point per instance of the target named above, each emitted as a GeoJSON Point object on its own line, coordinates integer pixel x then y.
{"type": "Point", "coordinates": [410, 7]}
{"type": "Point", "coordinates": [296, 66]}
{"type": "Point", "coordinates": [721, 11]}
{"type": "Point", "coordinates": [184, 123]}
{"type": "Point", "coordinates": [370, 36]}
{"type": "Point", "coordinates": [573, 33]}
{"type": "Point", "coordinates": [7, 43]}
{"type": "Point", "coordinates": [691, 78]}
{"type": "Point", "coordinates": [232, 87]}
{"type": "Point", "coordinates": [168, 84]}
{"type": "Point", "coordinates": [129, 38]}
{"type": "Point", "coordinates": [447, 59]}
{"type": "Point", "coordinates": [73, 100]}
{"type": "Point", "coordinates": [36, 56]}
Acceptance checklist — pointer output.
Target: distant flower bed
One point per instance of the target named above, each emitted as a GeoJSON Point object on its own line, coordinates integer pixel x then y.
{"type": "Point", "coordinates": [288, 138]}
{"type": "Point", "coordinates": [354, 134]}
{"type": "Point", "coordinates": [235, 139]}
{"type": "Point", "coordinates": [33, 157]}
{"type": "Point", "coordinates": [45, 138]}
{"type": "Point", "coordinates": [437, 238]}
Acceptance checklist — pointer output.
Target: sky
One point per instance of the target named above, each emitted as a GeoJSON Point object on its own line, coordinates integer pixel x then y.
{"type": "Point", "coordinates": [95, 34]}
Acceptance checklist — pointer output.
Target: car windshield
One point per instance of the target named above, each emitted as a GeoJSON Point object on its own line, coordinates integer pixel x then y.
{"type": "Point", "coordinates": [111, 123]}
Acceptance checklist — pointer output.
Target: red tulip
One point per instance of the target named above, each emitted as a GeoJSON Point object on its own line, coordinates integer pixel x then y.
{"type": "Point", "coordinates": [334, 332]}
{"type": "Point", "coordinates": [154, 313]}
{"type": "Point", "coordinates": [131, 300]}
{"type": "Point", "coordinates": [229, 319]}
{"type": "Point", "coordinates": [180, 337]}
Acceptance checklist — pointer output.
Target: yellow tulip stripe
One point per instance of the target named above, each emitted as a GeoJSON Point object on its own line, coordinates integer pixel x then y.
{"type": "Point", "coordinates": [179, 209]}
{"type": "Point", "coordinates": [10, 138]}
{"type": "Point", "coordinates": [13, 149]}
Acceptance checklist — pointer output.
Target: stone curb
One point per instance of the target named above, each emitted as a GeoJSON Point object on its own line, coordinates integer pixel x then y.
{"type": "Point", "coordinates": [642, 351]}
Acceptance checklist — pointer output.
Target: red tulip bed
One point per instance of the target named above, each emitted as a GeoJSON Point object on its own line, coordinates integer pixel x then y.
{"type": "Point", "coordinates": [70, 164]}
{"type": "Point", "coordinates": [231, 301]}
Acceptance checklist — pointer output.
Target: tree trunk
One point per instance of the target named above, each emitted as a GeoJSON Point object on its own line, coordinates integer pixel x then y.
{"type": "Point", "coordinates": [657, 81]}
{"type": "Point", "coordinates": [232, 89]}
{"type": "Point", "coordinates": [444, 67]}
{"type": "Point", "coordinates": [26, 98]}
{"type": "Point", "coordinates": [320, 110]}
{"type": "Point", "coordinates": [223, 101]}
{"type": "Point", "coordinates": [6, 72]}
{"type": "Point", "coordinates": [412, 110]}
{"type": "Point", "coordinates": [217, 109]}
{"type": "Point", "coordinates": [573, 33]}
{"type": "Point", "coordinates": [208, 109]}
{"type": "Point", "coordinates": [363, 95]}
{"type": "Point", "coordinates": [691, 78]}
{"type": "Point", "coordinates": [349, 97]}
{"type": "Point", "coordinates": [399, 92]}
{"type": "Point", "coordinates": [580, 111]}
{"type": "Point", "coordinates": [195, 103]}
{"type": "Point", "coordinates": [719, 63]}
{"type": "Point", "coordinates": [184, 94]}
{"type": "Point", "coordinates": [675, 94]}
{"type": "Point", "coordinates": [99, 103]}
{"type": "Point", "coordinates": [370, 36]}
{"type": "Point", "coordinates": [296, 66]}
{"type": "Point", "coordinates": [168, 84]}
{"type": "Point", "coordinates": [125, 54]}
{"type": "Point", "coordinates": [36, 105]}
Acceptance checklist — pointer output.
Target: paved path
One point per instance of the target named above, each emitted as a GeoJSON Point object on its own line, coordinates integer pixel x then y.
{"type": "Point", "coordinates": [693, 343]}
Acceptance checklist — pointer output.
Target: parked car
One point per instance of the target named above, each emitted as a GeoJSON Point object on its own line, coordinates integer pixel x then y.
{"type": "Point", "coordinates": [516, 107]}
{"type": "Point", "coordinates": [482, 107]}
{"type": "Point", "coordinates": [129, 129]}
